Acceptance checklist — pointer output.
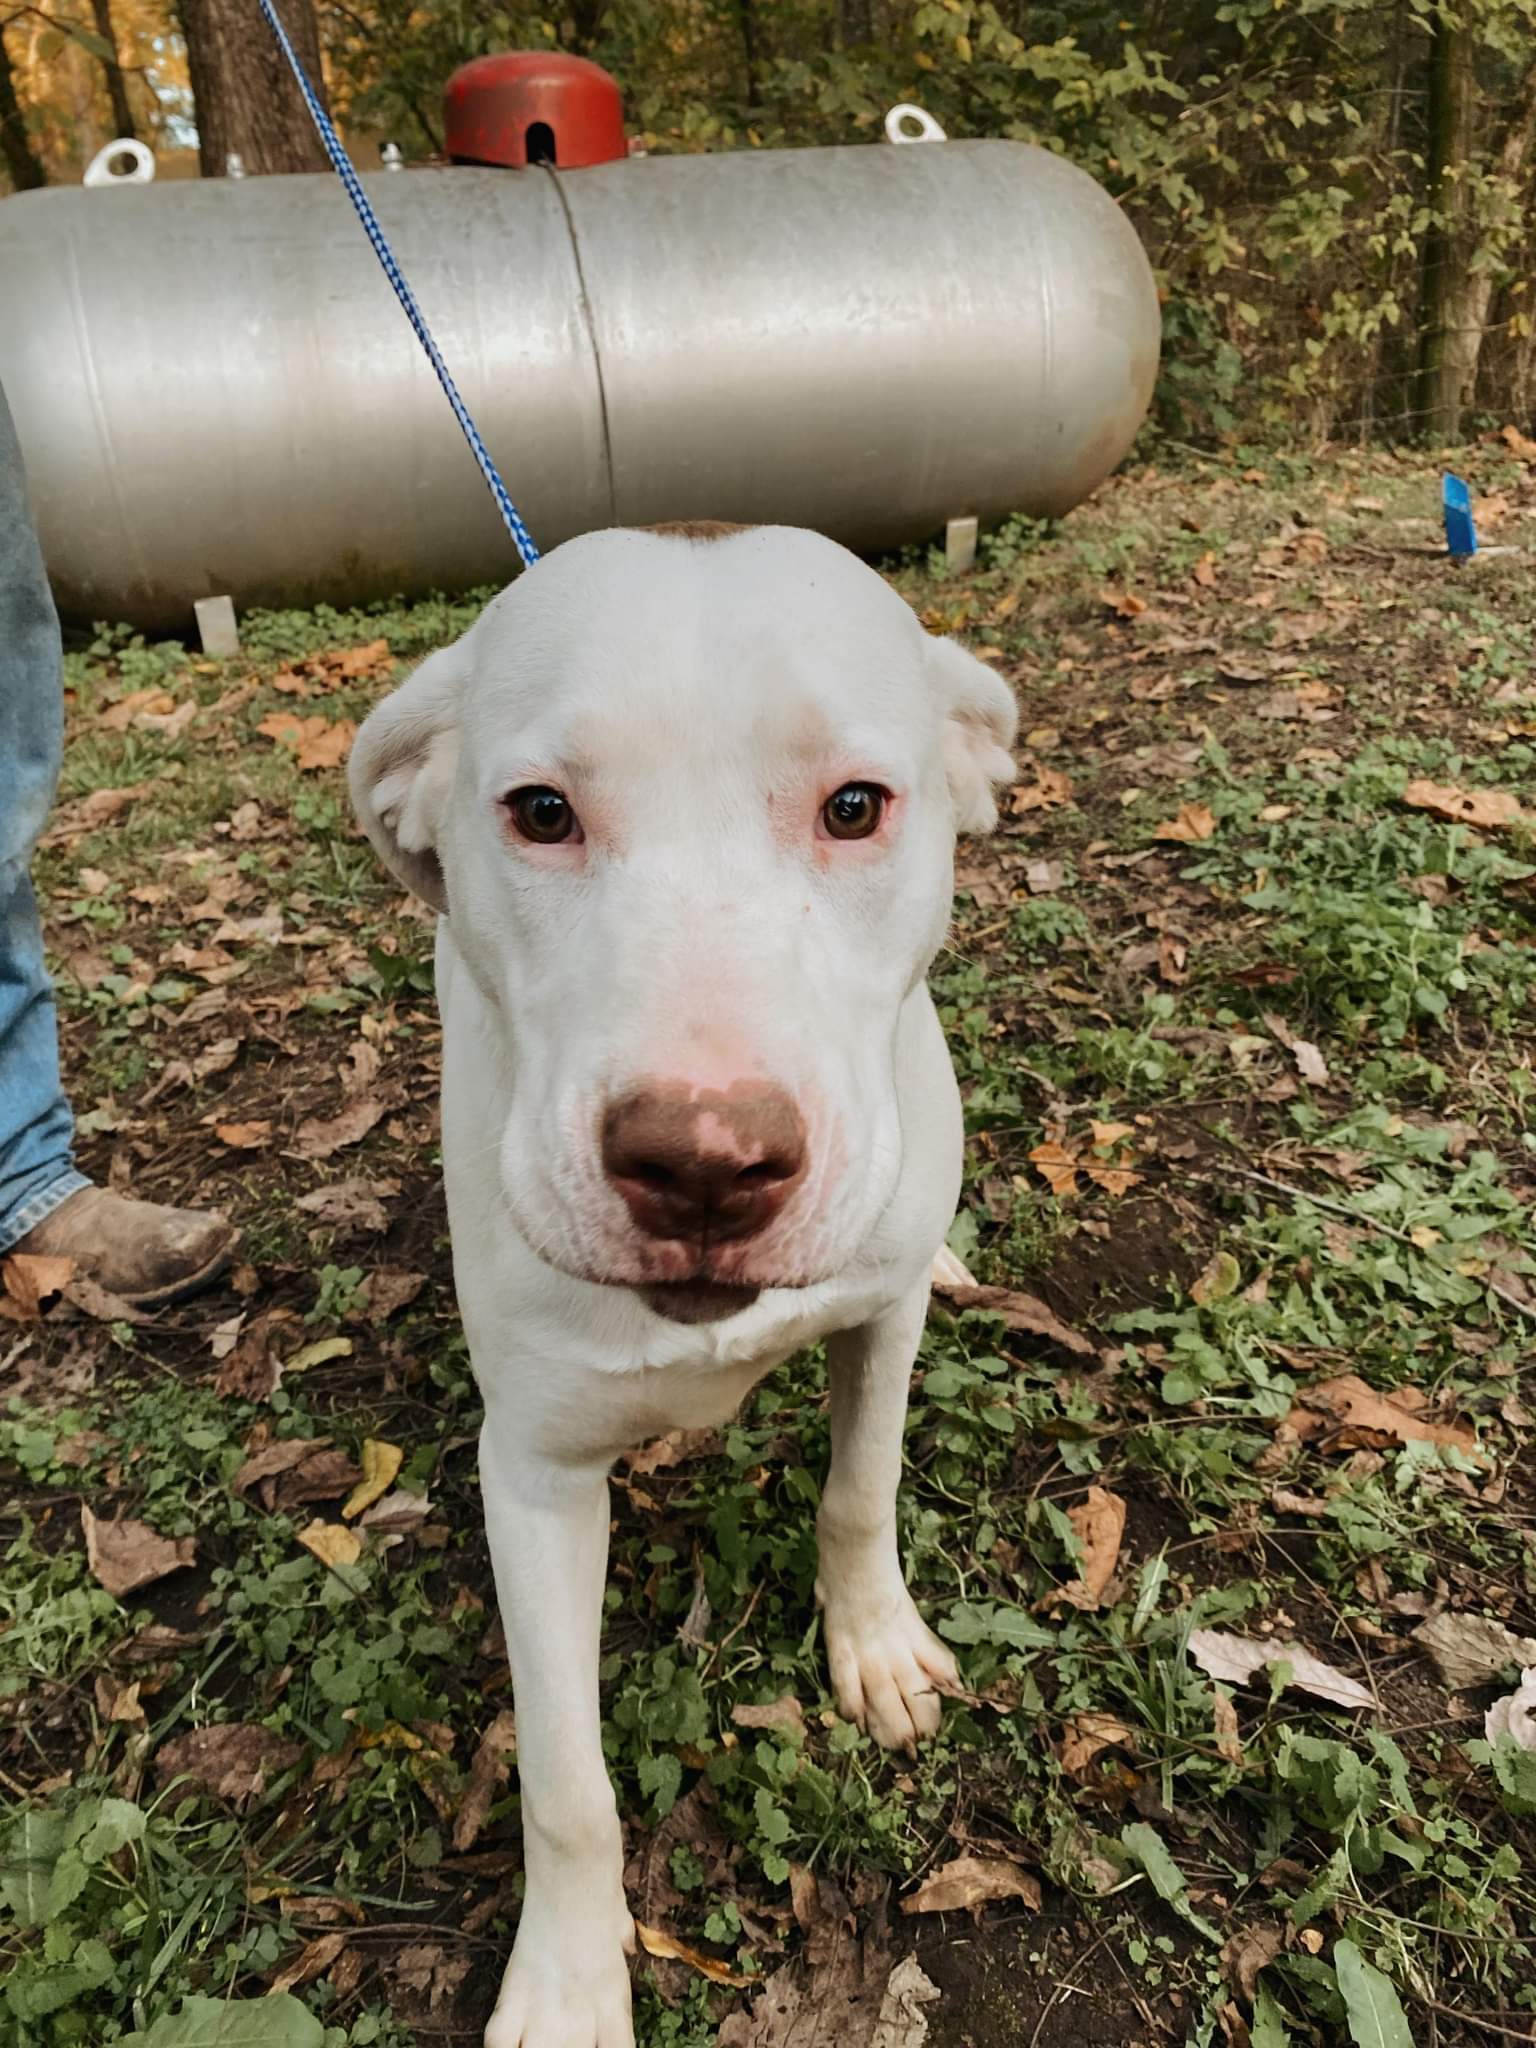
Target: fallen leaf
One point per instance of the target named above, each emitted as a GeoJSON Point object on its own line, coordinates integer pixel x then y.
{"type": "Point", "coordinates": [325, 1476]}
{"type": "Point", "coordinates": [235, 1760]}
{"type": "Point", "coordinates": [1085, 1737]}
{"type": "Point", "coordinates": [119, 716]}
{"type": "Point", "coordinates": [1221, 1277]}
{"type": "Point", "coordinates": [969, 1882]}
{"type": "Point", "coordinates": [1310, 1063]}
{"type": "Point", "coordinates": [1296, 629]}
{"type": "Point", "coordinates": [319, 1353]}
{"type": "Point", "coordinates": [1124, 603]}
{"type": "Point", "coordinates": [1472, 1649]}
{"type": "Point", "coordinates": [32, 1282]}
{"type": "Point", "coordinates": [657, 1942]}
{"type": "Point", "coordinates": [312, 1961]}
{"type": "Point", "coordinates": [331, 1543]}
{"type": "Point", "coordinates": [244, 1137]}
{"type": "Point", "coordinates": [1355, 1415]}
{"type": "Point", "coordinates": [1485, 808]}
{"type": "Point", "coordinates": [1229, 1744]}
{"type": "Point", "coordinates": [381, 1465]}
{"type": "Point", "coordinates": [1194, 823]}
{"type": "Point", "coordinates": [253, 1369]}
{"type": "Point", "coordinates": [348, 1206]}
{"type": "Point", "coordinates": [1057, 1165]}
{"type": "Point", "coordinates": [430, 1972]}
{"type": "Point", "coordinates": [319, 1137]}
{"type": "Point", "coordinates": [1019, 1311]}
{"type": "Point", "coordinates": [273, 1459]}
{"type": "Point", "coordinates": [398, 1513]}
{"type": "Point", "coordinates": [390, 1289]}
{"type": "Point", "coordinates": [902, 2022]}
{"type": "Point", "coordinates": [1249, 1951]}
{"type": "Point", "coordinates": [124, 1555]}
{"type": "Point", "coordinates": [1235, 1660]}
{"type": "Point", "coordinates": [781, 1713]}
{"type": "Point", "coordinates": [675, 1448]}
{"type": "Point", "coordinates": [314, 742]}
{"type": "Point", "coordinates": [487, 1771]}
{"type": "Point", "coordinates": [1099, 1525]}
{"type": "Point", "coordinates": [1047, 792]}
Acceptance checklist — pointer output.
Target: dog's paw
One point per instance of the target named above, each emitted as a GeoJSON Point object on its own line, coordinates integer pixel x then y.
{"type": "Point", "coordinates": [889, 1670]}
{"type": "Point", "coordinates": [566, 1987]}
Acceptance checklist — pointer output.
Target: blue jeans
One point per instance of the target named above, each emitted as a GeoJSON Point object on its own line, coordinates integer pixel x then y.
{"type": "Point", "coordinates": [36, 1128]}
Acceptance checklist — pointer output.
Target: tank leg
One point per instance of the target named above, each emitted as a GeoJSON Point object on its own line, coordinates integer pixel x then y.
{"type": "Point", "coordinates": [960, 546]}
{"type": "Point", "coordinates": [216, 625]}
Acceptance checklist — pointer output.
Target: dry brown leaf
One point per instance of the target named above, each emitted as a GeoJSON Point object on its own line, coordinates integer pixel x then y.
{"type": "Point", "coordinates": [272, 1459]}
{"type": "Point", "coordinates": [675, 1448]}
{"type": "Point", "coordinates": [235, 1760]}
{"type": "Point", "coordinates": [488, 1770]}
{"type": "Point", "coordinates": [124, 1555]}
{"type": "Point", "coordinates": [1057, 1165]}
{"type": "Point", "coordinates": [397, 1514]}
{"type": "Point", "coordinates": [319, 1137]}
{"type": "Point", "coordinates": [119, 716]}
{"type": "Point", "coordinates": [314, 742]}
{"type": "Point", "coordinates": [252, 1370]}
{"type": "Point", "coordinates": [1019, 1311]}
{"type": "Point", "coordinates": [1485, 808]}
{"type": "Point", "coordinates": [1235, 1659]}
{"type": "Point", "coordinates": [381, 1467]}
{"type": "Point", "coordinates": [351, 1207]}
{"type": "Point", "coordinates": [31, 1282]}
{"type": "Point", "coordinates": [969, 1882]}
{"type": "Point", "coordinates": [1049, 790]}
{"type": "Point", "coordinates": [1194, 823]}
{"type": "Point", "coordinates": [325, 1476]}
{"type": "Point", "coordinates": [1354, 1415]}
{"type": "Point", "coordinates": [1521, 446]}
{"type": "Point", "coordinates": [312, 1961]}
{"type": "Point", "coordinates": [1229, 1744]}
{"type": "Point", "coordinates": [332, 1543]}
{"type": "Point", "coordinates": [244, 1137]}
{"type": "Point", "coordinates": [1113, 1181]}
{"type": "Point", "coordinates": [781, 1713]}
{"type": "Point", "coordinates": [1310, 1063]}
{"type": "Point", "coordinates": [390, 1289]}
{"type": "Point", "coordinates": [1085, 1737]}
{"type": "Point", "coordinates": [1124, 603]}
{"type": "Point", "coordinates": [1099, 1524]}
{"type": "Point", "coordinates": [1249, 1951]}
{"type": "Point", "coordinates": [1472, 1649]}
{"type": "Point", "coordinates": [657, 1942]}
{"type": "Point", "coordinates": [428, 1971]}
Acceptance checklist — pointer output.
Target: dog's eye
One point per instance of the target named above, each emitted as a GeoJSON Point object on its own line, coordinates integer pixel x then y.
{"type": "Point", "coordinates": [541, 814]}
{"type": "Point", "coordinates": [854, 811]}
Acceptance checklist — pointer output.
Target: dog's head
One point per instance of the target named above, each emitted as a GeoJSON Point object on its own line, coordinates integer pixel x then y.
{"type": "Point", "coordinates": [689, 800]}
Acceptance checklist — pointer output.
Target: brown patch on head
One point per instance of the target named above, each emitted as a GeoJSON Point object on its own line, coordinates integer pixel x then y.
{"type": "Point", "coordinates": [696, 529]}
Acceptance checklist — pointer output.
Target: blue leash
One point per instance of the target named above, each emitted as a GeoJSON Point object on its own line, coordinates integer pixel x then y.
{"type": "Point", "coordinates": [341, 163]}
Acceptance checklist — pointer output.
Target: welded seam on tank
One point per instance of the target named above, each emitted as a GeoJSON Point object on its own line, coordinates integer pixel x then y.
{"type": "Point", "coordinates": [591, 325]}
{"type": "Point", "coordinates": [127, 529]}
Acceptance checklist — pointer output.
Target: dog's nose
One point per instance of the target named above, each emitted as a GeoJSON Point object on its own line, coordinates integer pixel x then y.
{"type": "Point", "coordinates": [704, 1164]}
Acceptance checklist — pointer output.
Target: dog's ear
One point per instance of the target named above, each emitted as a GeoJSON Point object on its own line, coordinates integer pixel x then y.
{"type": "Point", "coordinates": [402, 770]}
{"type": "Point", "coordinates": [980, 719]}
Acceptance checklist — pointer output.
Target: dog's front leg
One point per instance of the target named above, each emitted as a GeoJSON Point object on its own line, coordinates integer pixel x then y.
{"type": "Point", "coordinates": [567, 1985]}
{"type": "Point", "coordinates": [887, 1668]}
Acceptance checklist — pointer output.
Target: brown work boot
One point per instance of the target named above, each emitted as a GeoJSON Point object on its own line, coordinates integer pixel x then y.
{"type": "Point", "coordinates": [142, 1252]}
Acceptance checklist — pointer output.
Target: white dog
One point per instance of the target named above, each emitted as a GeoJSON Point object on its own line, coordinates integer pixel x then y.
{"type": "Point", "coordinates": [686, 799]}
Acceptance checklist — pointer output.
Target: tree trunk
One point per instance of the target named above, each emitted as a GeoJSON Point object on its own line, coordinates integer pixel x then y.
{"type": "Point", "coordinates": [1467, 293]}
{"type": "Point", "coordinates": [855, 24]}
{"type": "Point", "coordinates": [21, 159]}
{"type": "Point", "coordinates": [246, 100]}
{"type": "Point", "coordinates": [1445, 346]}
{"type": "Point", "coordinates": [117, 85]}
{"type": "Point", "coordinates": [746, 16]}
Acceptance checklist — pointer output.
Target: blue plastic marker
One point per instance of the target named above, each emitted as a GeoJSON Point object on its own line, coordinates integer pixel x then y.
{"type": "Point", "coordinates": [1460, 533]}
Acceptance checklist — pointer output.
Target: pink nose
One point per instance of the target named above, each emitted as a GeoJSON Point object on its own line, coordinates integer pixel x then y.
{"type": "Point", "coordinates": [704, 1165]}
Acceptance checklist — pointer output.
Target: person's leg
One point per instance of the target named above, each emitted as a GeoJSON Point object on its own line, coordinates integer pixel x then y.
{"type": "Point", "coordinates": [140, 1250]}
{"type": "Point", "coordinates": [36, 1172]}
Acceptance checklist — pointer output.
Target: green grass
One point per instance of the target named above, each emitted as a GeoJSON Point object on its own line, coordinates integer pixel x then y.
{"type": "Point", "coordinates": [1279, 1232]}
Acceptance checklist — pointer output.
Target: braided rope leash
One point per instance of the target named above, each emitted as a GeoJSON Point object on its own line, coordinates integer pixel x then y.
{"type": "Point", "coordinates": [342, 164]}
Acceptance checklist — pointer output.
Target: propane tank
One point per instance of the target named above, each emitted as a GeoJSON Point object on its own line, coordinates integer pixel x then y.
{"type": "Point", "coordinates": [216, 392]}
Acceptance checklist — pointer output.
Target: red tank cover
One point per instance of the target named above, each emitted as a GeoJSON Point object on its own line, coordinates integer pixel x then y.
{"type": "Point", "coordinates": [531, 107]}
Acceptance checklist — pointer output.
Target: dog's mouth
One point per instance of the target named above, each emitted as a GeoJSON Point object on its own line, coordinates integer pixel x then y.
{"type": "Point", "coordinates": [696, 1301]}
